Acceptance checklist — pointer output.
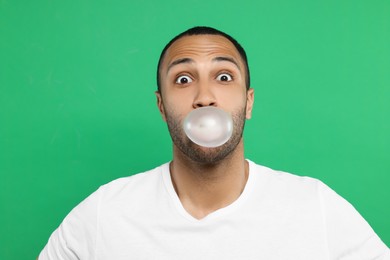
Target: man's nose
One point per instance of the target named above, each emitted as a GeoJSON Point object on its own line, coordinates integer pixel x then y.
{"type": "Point", "coordinates": [205, 97]}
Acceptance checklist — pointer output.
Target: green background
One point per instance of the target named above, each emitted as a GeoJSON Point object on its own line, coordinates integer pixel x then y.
{"type": "Point", "coordinates": [77, 104]}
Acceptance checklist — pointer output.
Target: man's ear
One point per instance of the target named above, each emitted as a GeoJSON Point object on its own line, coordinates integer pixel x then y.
{"type": "Point", "coordinates": [160, 105]}
{"type": "Point", "coordinates": [250, 99]}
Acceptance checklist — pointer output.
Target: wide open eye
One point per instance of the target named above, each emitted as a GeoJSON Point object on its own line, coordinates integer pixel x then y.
{"type": "Point", "coordinates": [224, 77]}
{"type": "Point", "coordinates": [183, 80]}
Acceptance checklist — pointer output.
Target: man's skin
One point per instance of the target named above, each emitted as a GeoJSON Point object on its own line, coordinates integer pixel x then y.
{"type": "Point", "coordinates": [197, 71]}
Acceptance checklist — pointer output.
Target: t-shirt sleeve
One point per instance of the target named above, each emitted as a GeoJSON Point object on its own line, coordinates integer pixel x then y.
{"type": "Point", "coordinates": [349, 235]}
{"type": "Point", "coordinates": [75, 238]}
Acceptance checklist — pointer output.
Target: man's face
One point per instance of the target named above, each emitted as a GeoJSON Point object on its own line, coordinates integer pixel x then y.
{"type": "Point", "coordinates": [198, 71]}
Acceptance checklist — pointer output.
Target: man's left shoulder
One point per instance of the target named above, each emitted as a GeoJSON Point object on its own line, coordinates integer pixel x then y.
{"type": "Point", "coordinates": [285, 181]}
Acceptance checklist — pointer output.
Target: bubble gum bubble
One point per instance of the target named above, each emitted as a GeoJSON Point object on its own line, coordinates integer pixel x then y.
{"type": "Point", "coordinates": [208, 126]}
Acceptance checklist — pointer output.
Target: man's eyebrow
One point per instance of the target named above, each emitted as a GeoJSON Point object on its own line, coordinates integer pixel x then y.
{"type": "Point", "coordinates": [229, 59]}
{"type": "Point", "coordinates": [180, 61]}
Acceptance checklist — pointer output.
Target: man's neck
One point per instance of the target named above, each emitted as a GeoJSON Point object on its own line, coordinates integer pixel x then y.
{"type": "Point", "coordinates": [204, 188]}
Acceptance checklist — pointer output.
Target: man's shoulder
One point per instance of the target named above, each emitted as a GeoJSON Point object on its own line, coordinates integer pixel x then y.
{"type": "Point", "coordinates": [140, 176]}
{"type": "Point", "coordinates": [282, 180]}
{"type": "Point", "coordinates": [280, 175]}
{"type": "Point", "coordinates": [139, 182]}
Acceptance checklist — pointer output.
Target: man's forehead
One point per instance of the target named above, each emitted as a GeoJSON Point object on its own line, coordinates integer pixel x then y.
{"type": "Point", "coordinates": [201, 45]}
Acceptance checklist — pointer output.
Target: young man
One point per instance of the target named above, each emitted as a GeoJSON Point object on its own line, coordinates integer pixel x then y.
{"type": "Point", "coordinates": [211, 203]}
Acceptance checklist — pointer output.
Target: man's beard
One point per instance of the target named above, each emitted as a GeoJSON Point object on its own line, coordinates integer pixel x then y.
{"type": "Point", "coordinates": [202, 154]}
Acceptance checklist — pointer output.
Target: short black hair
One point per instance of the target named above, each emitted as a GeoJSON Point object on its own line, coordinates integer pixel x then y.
{"type": "Point", "coordinates": [204, 30]}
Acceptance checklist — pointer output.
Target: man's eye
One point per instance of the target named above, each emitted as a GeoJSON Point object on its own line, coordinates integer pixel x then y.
{"type": "Point", "coordinates": [183, 80]}
{"type": "Point", "coordinates": [224, 77]}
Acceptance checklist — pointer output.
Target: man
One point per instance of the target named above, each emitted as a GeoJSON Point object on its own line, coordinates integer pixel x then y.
{"type": "Point", "coordinates": [211, 203]}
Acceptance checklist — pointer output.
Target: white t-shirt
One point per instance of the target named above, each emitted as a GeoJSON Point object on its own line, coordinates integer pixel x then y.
{"type": "Point", "coordinates": [278, 216]}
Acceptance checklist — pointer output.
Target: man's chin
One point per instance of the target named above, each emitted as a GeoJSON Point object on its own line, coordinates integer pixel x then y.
{"type": "Point", "coordinates": [206, 155]}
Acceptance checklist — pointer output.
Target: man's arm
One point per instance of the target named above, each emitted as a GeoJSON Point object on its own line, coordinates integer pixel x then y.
{"type": "Point", "coordinates": [76, 236]}
{"type": "Point", "coordinates": [349, 235]}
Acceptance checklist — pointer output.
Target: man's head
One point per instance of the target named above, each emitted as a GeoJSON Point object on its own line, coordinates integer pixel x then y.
{"type": "Point", "coordinates": [203, 69]}
{"type": "Point", "coordinates": [203, 30]}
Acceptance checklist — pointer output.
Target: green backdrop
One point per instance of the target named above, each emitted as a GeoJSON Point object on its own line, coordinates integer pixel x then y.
{"type": "Point", "coordinates": [77, 104]}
